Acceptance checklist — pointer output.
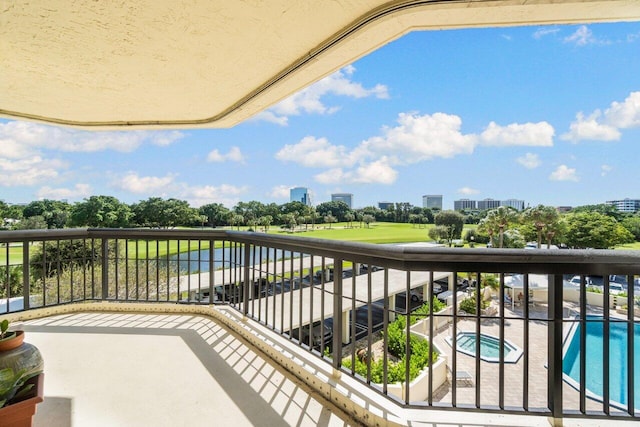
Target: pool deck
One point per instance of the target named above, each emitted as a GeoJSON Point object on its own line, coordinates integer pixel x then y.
{"type": "Point", "coordinates": [513, 372]}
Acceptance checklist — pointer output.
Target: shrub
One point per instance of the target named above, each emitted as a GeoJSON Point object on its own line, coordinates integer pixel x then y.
{"type": "Point", "coordinates": [468, 305]}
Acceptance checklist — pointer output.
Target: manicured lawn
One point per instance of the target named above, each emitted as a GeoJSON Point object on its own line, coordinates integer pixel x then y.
{"type": "Point", "coordinates": [379, 232]}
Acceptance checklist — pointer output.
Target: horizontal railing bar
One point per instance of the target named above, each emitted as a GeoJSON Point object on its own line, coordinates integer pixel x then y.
{"type": "Point", "coordinates": [541, 261]}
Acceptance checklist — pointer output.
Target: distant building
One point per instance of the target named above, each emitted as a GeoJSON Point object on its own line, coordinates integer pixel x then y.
{"type": "Point", "coordinates": [626, 205]}
{"type": "Point", "coordinates": [343, 197]}
{"type": "Point", "coordinates": [564, 208]}
{"type": "Point", "coordinates": [461, 204]}
{"type": "Point", "coordinates": [300, 194]}
{"type": "Point", "coordinates": [513, 203]}
{"type": "Point", "coordinates": [488, 204]}
{"type": "Point", "coordinates": [385, 205]}
{"type": "Point", "coordinates": [432, 201]}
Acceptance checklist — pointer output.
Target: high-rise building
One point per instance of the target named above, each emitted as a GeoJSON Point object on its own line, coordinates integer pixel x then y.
{"type": "Point", "coordinates": [300, 194]}
{"type": "Point", "coordinates": [488, 204]}
{"type": "Point", "coordinates": [626, 205]}
{"type": "Point", "coordinates": [513, 203]}
{"type": "Point", "coordinates": [432, 201]}
{"type": "Point", "coordinates": [343, 197]}
{"type": "Point", "coordinates": [461, 204]}
{"type": "Point", "coordinates": [385, 205]}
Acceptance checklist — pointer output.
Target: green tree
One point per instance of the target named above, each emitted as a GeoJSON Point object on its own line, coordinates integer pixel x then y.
{"type": "Point", "coordinates": [236, 220]}
{"type": "Point", "coordinates": [595, 230]}
{"type": "Point", "coordinates": [338, 209]}
{"type": "Point", "coordinates": [498, 220]}
{"type": "Point", "coordinates": [632, 224]}
{"type": "Point", "coordinates": [217, 214]}
{"type": "Point", "coordinates": [54, 212]}
{"type": "Point", "coordinates": [160, 213]}
{"type": "Point", "coordinates": [36, 222]}
{"type": "Point", "coordinates": [330, 219]}
{"type": "Point", "coordinates": [265, 222]}
{"type": "Point", "coordinates": [452, 220]}
{"type": "Point", "coordinates": [101, 211]}
{"type": "Point", "coordinates": [545, 219]}
{"type": "Point", "coordinates": [368, 219]}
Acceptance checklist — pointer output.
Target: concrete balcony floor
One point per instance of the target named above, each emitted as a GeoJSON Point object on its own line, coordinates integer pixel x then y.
{"type": "Point", "coordinates": [137, 369]}
{"type": "Point", "coordinates": [106, 369]}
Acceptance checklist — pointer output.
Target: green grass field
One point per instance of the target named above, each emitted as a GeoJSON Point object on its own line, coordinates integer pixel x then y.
{"type": "Point", "coordinates": [381, 232]}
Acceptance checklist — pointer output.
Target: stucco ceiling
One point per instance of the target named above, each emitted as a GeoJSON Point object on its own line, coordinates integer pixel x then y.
{"type": "Point", "coordinates": [214, 63]}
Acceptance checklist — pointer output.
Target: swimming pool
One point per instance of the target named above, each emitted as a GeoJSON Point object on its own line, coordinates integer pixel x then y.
{"type": "Point", "coordinates": [489, 347]}
{"type": "Point", "coordinates": [594, 363]}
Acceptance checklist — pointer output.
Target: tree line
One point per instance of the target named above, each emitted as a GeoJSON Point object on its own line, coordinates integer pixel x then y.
{"type": "Point", "coordinates": [592, 226]}
{"type": "Point", "coordinates": [597, 226]}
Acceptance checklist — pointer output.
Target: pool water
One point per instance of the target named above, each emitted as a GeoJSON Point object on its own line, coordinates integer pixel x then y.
{"type": "Point", "coordinates": [617, 360]}
{"type": "Point", "coordinates": [489, 347]}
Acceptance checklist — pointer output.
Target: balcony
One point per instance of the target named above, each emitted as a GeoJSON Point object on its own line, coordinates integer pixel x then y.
{"type": "Point", "coordinates": [294, 329]}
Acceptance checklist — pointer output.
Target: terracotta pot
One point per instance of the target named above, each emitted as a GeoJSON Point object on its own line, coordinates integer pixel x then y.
{"type": "Point", "coordinates": [13, 342]}
{"type": "Point", "coordinates": [20, 414]}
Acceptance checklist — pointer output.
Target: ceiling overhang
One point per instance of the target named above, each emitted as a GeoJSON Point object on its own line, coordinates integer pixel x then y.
{"type": "Point", "coordinates": [214, 63]}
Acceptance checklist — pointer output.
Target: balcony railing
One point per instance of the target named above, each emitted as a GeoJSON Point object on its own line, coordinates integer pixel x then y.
{"type": "Point", "coordinates": [513, 334]}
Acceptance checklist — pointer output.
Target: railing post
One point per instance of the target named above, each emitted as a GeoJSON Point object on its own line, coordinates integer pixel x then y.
{"type": "Point", "coordinates": [246, 279]}
{"type": "Point", "coordinates": [554, 397]}
{"type": "Point", "coordinates": [212, 271]}
{"type": "Point", "coordinates": [105, 268]}
{"type": "Point", "coordinates": [337, 313]}
{"type": "Point", "coordinates": [26, 284]}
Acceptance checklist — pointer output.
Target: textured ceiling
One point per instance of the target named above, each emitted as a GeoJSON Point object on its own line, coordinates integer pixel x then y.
{"type": "Point", "coordinates": [214, 63]}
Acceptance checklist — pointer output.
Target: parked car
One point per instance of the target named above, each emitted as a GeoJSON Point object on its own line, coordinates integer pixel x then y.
{"type": "Point", "coordinates": [316, 336]}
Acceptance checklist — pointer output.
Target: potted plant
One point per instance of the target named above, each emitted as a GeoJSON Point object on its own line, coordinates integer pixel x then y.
{"type": "Point", "coordinates": [21, 378]}
{"type": "Point", "coordinates": [20, 392]}
{"type": "Point", "coordinates": [9, 339]}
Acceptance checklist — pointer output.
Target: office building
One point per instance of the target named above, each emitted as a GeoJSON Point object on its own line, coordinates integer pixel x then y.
{"type": "Point", "coordinates": [300, 194]}
{"type": "Point", "coordinates": [385, 205]}
{"type": "Point", "coordinates": [461, 204]}
{"type": "Point", "coordinates": [488, 204]}
{"type": "Point", "coordinates": [513, 203]}
{"type": "Point", "coordinates": [626, 205]}
{"type": "Point", "coordinates": [343, 197]}
{"type": "Point", "coordinates": [432, 201]}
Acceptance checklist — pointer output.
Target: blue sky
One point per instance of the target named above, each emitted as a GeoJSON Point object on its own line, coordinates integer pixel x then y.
{"type": "Point", "coordinates": [550, 115]}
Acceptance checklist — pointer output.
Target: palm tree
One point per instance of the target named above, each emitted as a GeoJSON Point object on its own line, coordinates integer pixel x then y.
{"type": "Point", "coordinates": [503, 216]}
{"type": "Point", "coordinates": [330, 219]}
{"type": "Point", "coordinates": [543, 217]}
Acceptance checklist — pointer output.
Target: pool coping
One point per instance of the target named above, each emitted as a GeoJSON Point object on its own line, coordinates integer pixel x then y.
{"type": "Point", "coordinates": [512, 357]}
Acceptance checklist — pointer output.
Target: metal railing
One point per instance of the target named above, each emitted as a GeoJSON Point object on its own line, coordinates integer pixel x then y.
{"type": "Point", "coordinates": [513, 334]}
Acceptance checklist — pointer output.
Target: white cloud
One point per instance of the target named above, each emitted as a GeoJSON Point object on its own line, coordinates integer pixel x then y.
{"type": "Point", "coordinates": [234, 155]}
{"type": "Point", "coordinates": [79, 191]}
{"type": "Point", "coordinates": [563, 173]}
{"type": "Point", "coordinates": [581, 37]}
{"type": "Point", "coordinates": [626, 114]}
{"type": "Point", "coordinates": [271, 117]}
{"type": "Point", "coordinates": [528, 134]}
{"type": "Point", "coordinates": [41, 137]}
{"type": "Point", "coordinates": [467, 191]}
{"type": "Point", "coordinates": [418, 138]}
{"type": "Point", "coordinates": [605, 169]}
{"type": "Point", "coordinates": [545, 31]}
{"type": "Point", "coordinates": [314, 152]}
{"type": "Point", "coordinates": [414, 139]}
{"type": "Point", "coordinates": [606, 126]}
{"type": "Point", "coordinates": [590, 128]}
{"type": "Point", "coordinates": [30, 171]}
{"type": "Point", "coordinates": [280, 192]}
{"type": "Point", "coordinates": [377, 172]}
{"type": "Point", "coordinates": [136, 184]}
{"type": "Point", "coordinates": [309, 100]}
{"type": "Point", "coordinates": [529, 161]}
{"type": "Point", "coordinates": [167, 186]}
{"type": "Point", "coordinates": [228, 195]}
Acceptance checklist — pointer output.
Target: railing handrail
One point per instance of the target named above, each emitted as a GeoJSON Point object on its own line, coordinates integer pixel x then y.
{"type": "Point", "coordinates": [542, 261]}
